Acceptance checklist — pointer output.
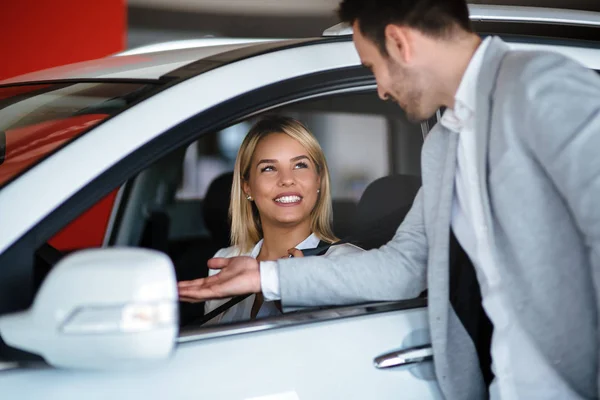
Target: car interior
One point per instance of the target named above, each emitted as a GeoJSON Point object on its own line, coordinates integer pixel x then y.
{"type": "Point", "coordinates": [373, 152]}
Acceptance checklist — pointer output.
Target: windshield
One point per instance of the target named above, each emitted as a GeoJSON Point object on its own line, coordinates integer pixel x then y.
{"type": "Point", "coordinates": [36, 120]}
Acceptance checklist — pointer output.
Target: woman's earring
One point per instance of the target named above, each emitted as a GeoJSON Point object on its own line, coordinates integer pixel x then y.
{"type": "Point", "coordinates": [248, 197]}
{"type": "Point", "coordinates": [318, 190]}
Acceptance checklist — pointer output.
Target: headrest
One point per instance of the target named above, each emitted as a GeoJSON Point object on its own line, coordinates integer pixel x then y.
{"type": "Point", "coordinates": [216, 207]}
{"type": "Point", "coordinates": [382, 208]}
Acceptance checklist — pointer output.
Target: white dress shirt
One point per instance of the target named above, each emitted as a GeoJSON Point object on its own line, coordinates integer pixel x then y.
{"type": "Point", "coordinates": [520, 370]}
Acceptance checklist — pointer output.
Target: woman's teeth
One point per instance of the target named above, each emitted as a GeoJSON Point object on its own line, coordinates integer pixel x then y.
{"type": "Point", "coordinates": [288, 199]}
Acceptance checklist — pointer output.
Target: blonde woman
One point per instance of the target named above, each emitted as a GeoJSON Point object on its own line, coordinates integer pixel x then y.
{"type": "Point", "coordinates": [280, 203]}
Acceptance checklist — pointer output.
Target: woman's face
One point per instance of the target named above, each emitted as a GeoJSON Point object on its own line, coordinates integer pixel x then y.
{"type": "Point", "coordinates": [283, 181]}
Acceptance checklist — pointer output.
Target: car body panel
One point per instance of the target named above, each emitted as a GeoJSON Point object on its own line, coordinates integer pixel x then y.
{"type": "Point", "coordinates": [134, 66]}
{"type": "Point", "coordinates": [325, 360]}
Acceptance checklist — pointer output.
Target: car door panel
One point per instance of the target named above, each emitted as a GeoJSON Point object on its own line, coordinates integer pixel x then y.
{"type": "Point", "coordinates": [317, 360]}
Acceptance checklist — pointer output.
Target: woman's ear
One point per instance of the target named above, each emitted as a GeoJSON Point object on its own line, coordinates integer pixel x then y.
{"type": "Point", "coordinates": [246, 188]}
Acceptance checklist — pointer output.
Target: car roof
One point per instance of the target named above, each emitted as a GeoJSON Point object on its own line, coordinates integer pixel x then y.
{"type": "Point", "coordinates": [136, 65]}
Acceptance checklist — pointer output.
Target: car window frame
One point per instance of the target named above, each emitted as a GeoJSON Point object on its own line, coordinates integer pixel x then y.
{"type": "Point", "coordinates": [17, 257]}
{"type": "Point", "coordinates": [325, 83]}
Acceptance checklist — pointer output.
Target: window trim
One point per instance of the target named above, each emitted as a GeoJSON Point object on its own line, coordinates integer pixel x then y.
{"type": "Point", "coordinates": [193, 334]}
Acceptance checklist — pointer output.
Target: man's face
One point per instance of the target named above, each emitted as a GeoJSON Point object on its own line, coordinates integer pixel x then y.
{"type": "Point", "coordinates": [408, 86]}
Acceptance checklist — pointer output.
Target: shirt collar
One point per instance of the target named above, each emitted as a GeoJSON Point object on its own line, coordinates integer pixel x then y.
{"type": "Point", "coordinates": [465, 100]}
{"type": "Point", "coordinates": [310, 242]}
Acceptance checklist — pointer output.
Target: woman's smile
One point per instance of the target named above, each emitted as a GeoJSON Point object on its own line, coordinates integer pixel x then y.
{"type": "Point", "coordinates": [288, 199]}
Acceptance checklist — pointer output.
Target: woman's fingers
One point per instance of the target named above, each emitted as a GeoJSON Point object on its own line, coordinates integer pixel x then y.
{"type": "Point", "coordinates": [295, 253]}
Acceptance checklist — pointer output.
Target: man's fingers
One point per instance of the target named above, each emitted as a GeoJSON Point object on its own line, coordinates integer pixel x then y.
{"type": "Point", "coordinates": [195, 282]}
{"type": "Point", "coordinates": [194, 295]}
{"type": "Point", "coordinates": [218, 262]}
{"type": "Point", "coordinates": [189, 300]}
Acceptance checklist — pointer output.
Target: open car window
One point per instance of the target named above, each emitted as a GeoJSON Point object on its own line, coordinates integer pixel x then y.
{"type": "Point", "coordinates": [36, 120]}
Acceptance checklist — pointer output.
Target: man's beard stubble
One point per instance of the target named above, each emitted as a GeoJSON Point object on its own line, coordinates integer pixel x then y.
{"type": "Point", "coordinates": [406, 82]}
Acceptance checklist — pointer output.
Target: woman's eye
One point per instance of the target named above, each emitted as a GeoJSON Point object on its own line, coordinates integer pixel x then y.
{"type": "Point", "coordinates": [268, 168]}
{"type": "Point", "coordinates": [301, 165]}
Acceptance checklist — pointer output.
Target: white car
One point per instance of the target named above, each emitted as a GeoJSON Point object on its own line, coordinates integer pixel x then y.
{"type": "Point", "coordinates": [105, 196]}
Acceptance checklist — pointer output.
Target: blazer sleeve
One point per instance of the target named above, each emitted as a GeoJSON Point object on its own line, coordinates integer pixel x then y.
{"type": "Point", "coordinates": [563, 124]}
{"type": "Point", "coordinates": [395, 271]}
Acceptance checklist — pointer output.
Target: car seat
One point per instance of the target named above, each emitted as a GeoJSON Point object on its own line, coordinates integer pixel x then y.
{"type": "Point", "coordinates": [382, 208]}
{"type": "Point", "coordinates": [191, 264]}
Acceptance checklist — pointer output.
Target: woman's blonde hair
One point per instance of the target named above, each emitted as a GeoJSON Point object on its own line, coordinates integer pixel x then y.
{"type": "Point", "coordinates": [246, 228]}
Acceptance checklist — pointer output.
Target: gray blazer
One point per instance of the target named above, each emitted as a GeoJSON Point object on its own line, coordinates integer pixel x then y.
{"type": "Point", "coordinates": [538, 131]}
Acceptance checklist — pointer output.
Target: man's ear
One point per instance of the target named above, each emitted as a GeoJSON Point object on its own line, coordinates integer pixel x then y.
{"type": "Point", "coordinates": [398, 43]}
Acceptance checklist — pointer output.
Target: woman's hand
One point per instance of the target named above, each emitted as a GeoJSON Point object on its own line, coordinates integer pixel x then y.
{"type": "Point", "coordinates": [239, 275]}
{"type": "Point", "coordinates": [295, 253]}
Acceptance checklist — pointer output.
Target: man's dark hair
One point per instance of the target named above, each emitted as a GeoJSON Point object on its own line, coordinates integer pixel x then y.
{"type": "Point", "coordinates": [436, 18]}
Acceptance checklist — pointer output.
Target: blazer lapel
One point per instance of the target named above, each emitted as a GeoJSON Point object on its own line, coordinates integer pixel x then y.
{"type": "Point", "coordinates": [486, 83]}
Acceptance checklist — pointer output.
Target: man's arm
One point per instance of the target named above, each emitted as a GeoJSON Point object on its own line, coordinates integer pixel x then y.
{"type": "Point", "coordinates": [395, 271]}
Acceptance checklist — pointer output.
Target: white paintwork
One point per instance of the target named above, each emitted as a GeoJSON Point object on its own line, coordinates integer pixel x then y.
{"type": "Point", "coordinates": [316, 361]}
{"type": "Point", "coordinates": [189, 44]}
{"type": "Point", "coordinates": [151, 65]}
{"type": "Point", "coordinates": [100, 309]}
{"type": "Point", "coordinates": [74, 166]}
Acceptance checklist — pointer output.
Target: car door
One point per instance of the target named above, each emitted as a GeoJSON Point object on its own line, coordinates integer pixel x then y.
{"type": "Point", "coordinates": [312, 354]}
{"type": "Point", "coordinates": [325, 354]}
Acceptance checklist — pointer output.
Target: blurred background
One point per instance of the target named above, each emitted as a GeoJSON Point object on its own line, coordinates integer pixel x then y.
{"type": "Point", "coordinates": [149, 21]}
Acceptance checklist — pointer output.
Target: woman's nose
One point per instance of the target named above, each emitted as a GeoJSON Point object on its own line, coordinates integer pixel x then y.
{"type": "Point", "coordinates": [286, 178]}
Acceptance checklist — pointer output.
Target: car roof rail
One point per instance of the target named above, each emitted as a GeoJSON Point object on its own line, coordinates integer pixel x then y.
{"type": "Point", "coordinates": [518, 14]}
{"type": "Point", "coordinates": [190, 43]}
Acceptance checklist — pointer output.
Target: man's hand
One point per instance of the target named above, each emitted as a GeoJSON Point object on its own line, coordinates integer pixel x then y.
{"type": "Point", "coordinates": [239, 275]}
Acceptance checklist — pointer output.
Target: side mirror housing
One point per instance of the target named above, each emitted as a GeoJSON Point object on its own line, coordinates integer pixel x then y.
{"type": "Point", "coordinates": [100, 309]}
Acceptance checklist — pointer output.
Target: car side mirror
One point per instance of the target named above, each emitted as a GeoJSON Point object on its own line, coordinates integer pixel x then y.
{"type": "Point", "coordinates": [100, 309]}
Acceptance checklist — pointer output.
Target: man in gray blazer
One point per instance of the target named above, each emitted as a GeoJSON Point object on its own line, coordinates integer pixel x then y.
{"type": "Point", "coordinates": [511, 173]}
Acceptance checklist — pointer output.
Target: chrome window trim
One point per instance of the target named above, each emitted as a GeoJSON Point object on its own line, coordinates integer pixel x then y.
{"type": "Point", "coordinates": [297, 319]}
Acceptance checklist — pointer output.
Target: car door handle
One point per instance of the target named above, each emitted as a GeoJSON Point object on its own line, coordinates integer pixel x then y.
{"type": "Point", "coordinates": [399, 358]}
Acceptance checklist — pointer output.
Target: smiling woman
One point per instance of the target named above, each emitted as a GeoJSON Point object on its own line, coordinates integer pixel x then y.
{"type": "Point", "coordinates": [280, 201]}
